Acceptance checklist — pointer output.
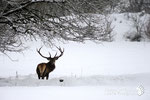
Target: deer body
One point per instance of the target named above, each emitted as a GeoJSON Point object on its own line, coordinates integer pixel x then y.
{"type": "Point", "coordinates": [43, 69]}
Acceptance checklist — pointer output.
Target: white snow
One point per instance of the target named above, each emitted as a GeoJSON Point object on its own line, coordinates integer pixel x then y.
{"type": "Point", "coordinates": [107, 71]}
{"type": "Point", "coordinates": [70, 93]}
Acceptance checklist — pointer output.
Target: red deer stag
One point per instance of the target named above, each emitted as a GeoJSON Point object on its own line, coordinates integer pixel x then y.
{"type": "Point", "coordinates": [43, 69]}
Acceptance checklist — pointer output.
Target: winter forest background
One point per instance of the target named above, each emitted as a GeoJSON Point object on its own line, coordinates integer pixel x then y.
{"type": "Point", "coordinates": [106, 49]}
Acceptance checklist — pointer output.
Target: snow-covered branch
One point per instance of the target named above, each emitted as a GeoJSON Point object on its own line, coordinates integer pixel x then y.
{"type": "Point", "coordinates": [51, 20]}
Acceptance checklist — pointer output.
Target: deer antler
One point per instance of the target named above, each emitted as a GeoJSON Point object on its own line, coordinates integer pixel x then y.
{"type": "Point", "coordinates": [61, 52]}
{"type": "Point", "coordinates": [41, 54]}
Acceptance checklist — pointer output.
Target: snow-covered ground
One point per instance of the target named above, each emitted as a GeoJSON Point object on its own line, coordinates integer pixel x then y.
{"type": "Point", "coordinates": [108, 71]}
{"type": "Point", "coordinates": [71, 93]}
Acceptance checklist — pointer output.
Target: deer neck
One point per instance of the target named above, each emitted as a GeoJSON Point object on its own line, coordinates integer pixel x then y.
{"type": "Point", "coordinates": [51, 64]}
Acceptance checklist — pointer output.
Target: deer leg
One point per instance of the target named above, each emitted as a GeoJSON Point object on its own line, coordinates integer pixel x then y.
{"type": "Point", "coordinates": [43, 77]}
{"type": "Point", "coordinates": [38, 72]}
{"type": "Point", "coordinates": [44, 74]}
{"type": "Point", "coordinates": [47, 76]}
{"type": "Point", "coordinates": [39, 76]}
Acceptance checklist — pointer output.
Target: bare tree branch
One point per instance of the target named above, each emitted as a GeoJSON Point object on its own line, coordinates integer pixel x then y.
{"type": "Point", "coordinates": [50, 21]}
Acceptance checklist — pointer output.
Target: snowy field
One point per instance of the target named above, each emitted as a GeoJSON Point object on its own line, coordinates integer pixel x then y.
{"type": "Point", "coordinates": [70, 93]}
{"type": "Point", "coordinates": [116, 70]}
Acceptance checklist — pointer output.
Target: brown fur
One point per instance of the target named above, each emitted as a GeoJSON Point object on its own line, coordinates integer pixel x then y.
{"type": "Point", "coordinates": [42, 68]}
